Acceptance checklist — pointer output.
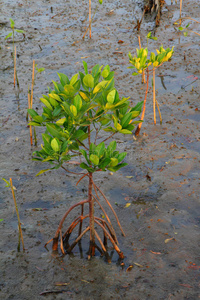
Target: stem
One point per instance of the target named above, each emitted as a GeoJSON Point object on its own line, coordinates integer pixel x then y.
{"type": "Point", "coordinates": [180, 11]}
{"type": "Point", "coordinates": [91, 216]}
{"type": "Point", "coordinates": [154, 95]}
{"type": "Point", "coordinates": [16, 208]}
{"type": "Point", "coordinates": [32, 83]}
{"type": "Point", "coordinates": [109, 137]}
{"type": "Point", "coordinates": [30, 127]}
{"type": "Point", "coordinates": [137, 132]}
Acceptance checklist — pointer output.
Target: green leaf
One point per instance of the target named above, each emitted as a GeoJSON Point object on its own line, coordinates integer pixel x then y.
{"type": "Point", "coordinates": [125, 131]}
{"type": "Point", "coordinates": [100, 149]}
{"type": "Point", "coordinates": [34, 124]}
{"type": "Point", "coordinates": [84, 153]}
{"type": "Point", "coordinates": [53, 131]}
{"type": "Point", "coordinates": [12, 23]}
{"type": "Point", "coordinates": [63, 79]}
{"type": "Point", "coordinates": [42, 171]}
{"type": "Point", "coordinates": [94, 159]}
{"type": "Point", "coordinates": [112, 146]}
{"type": "Point", "coordinates": [7, 182]}
{"type": "Point", "coordinates": [55, 145]}
{"type": "Point", "coordinates": [101, 85]}
{"type": "Point", "coordinates": [88, 80]}
{"type": "Point", "coordinates": [111, 96]}
{"type": "Point", "coordinates": [85, 67]}
{"type": "Point", "coordinates": [104, 163]}
{"type": "Point", "coordinates": [180, 28]}
{"type": "Point", "coordinates": [105, 73]}
{"type": "Point", "coordinates": [114, 162]}
{"type": "Point", "coordinates": [134, 73]}
{"type": "Point", "coordinates": [185, 33]}
{"type": "Point", "coordinates": [114, 169]}
{"type": "Point", "coordinates": [74, 79]}
{"type": "Point", "coordinates": [38, 119]}
{"type": "Point", "coordinates": [126, 119]}
{"type": "Point", "coordinates": [60, 122]}
{"type": "Point", "coordinates": [9, 35]}
{"type": "Point", "coordinates": [121, 156]}
{"type": "Point", "coordinates": [92, 148]}
{"type": "Point", "coordinates": [78, 102]}
{"type": "Point", "coordinates": [19, 30]}
{"type": "Point", "coordinates": [73, 110]}
{"type": "Point", "coordinates": [46, 102]}
{"type": "Point", "coordinates": [55, 96]}
{"type": "Point", "coordinates": [32, 112]}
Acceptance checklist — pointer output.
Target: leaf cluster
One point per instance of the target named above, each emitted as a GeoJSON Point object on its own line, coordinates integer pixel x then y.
{"type": "Point", "coordinates": [12, 25]}
{"type": "Point", "coordinates": [79, 108]}
{"type": "Point", "coordinates": [141, 60]}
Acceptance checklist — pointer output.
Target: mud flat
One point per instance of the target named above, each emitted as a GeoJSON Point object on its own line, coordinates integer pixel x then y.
{"type": "Point", "coordinates": [161, 182]}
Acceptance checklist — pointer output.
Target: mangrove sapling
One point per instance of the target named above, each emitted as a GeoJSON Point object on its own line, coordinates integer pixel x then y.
{"type": "Point", "coordinates": [74, 115]}
{"type": "Point", "coordinates": [9, 184]}
{"type": "Point", "coordinates": [141, 63]}
{"type": "Point", "coordinates": [12, 25]}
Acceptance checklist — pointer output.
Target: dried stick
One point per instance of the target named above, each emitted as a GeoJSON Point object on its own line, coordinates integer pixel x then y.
{"type": "Point", "coordinates": [61, 243]}
{"type": "Point", "coordinates": [32, 83]}
{"type": "Point", "coordinates": [180, 11]}
{"type": "Point", "coordinates": [110, 208]}
{"type": "Point", "coordinates": [30, 127]}
{"type": "Point", "coordinates": [14, 66]}
{"type": "Point", "coordinates": [19, 222]}
{"type": "Point", "coordinates": [137, 132]}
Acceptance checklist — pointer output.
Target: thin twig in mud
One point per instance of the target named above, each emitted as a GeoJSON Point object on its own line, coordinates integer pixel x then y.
{"type": "Point", "coordinates": [61, 243]}
{"type": "Point", "coordinates": [19, 222]}
{"type": "Point", "coordinates": [159, 111]}
{"type": "Point", "coordinates": [33, 72]}
{"type": "Point", "coordinates": [30, 127]}
{"type": "Point", "coordinates": [110, 207]}
{"type": "Point", "coordinates": [180, 11]}
{"type": "Point", "coordinates": [14, 66]}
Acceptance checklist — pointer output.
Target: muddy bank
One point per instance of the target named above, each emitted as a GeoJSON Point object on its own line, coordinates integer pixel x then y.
{"type": "Point", "coordinates": [161, 182]}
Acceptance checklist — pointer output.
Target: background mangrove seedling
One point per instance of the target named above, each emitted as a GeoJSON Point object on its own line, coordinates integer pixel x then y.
{"type": "Point", "coordinates": [10, 185]}
{"type": "Point", "coordinates": [12, 25]}
{"type": "Point", "coordinates": [141, 63]}
{"type": "Point", "coordinates": [186, 29]}
{"type": "Point", "coordinates": [74, 115]}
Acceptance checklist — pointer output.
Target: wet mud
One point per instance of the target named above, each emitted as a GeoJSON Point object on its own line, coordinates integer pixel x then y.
{"type": "Point", "coordinates": [156, 196]}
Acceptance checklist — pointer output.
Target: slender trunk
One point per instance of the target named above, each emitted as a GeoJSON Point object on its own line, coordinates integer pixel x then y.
{"type": "Point", "coordinates": [137, 132]}
{"type": "Point", "coordinates": [154, 95]}
{"type": "Point", "coordinates": [91, 216]}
